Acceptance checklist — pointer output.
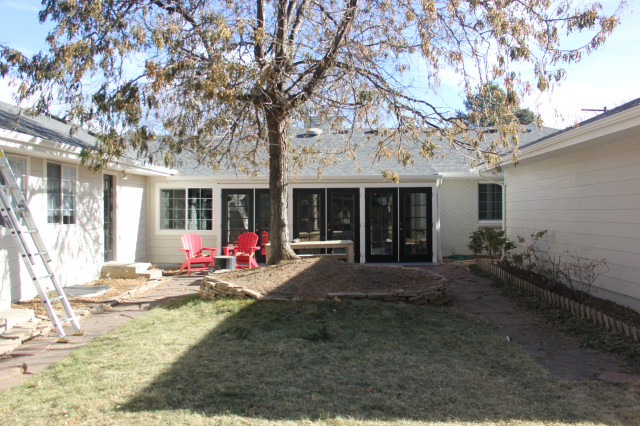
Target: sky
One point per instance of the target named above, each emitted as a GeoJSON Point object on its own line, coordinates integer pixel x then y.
{"type": "Point", "coordinates": [607, 78]}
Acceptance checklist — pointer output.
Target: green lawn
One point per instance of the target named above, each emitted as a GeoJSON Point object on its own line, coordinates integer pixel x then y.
{"type": "Point", "coordinates": [246, 362]}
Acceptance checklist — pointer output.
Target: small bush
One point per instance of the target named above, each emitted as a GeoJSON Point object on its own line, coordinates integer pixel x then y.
{"type": "Point", "coordinates": [492, 242]}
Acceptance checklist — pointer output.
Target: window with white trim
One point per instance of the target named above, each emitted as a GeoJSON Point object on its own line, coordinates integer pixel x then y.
{"type": "Point", "coordinates": [489, 201]}
{"type": "Point", "coordinates": [61, 194]}
{"type": "Point", "coordinates": [19, 168]}
{"type": "Point", "coordinates": [190, 209]}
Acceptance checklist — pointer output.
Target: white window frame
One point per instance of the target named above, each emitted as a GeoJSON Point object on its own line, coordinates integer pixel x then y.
{"type": "Point", "coordinates": [65, 215]}
{"type": "Point", "coordinates": [22, 179]}
{"type": "Point", "coordinates": [188, 210]}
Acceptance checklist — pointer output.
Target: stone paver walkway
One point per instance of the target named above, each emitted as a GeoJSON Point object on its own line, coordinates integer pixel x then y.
{"type": "Point", "coordinates": [552, 350]}
{"type": "Point", "coordinates": [39, 353]}
{"type": "Point", "coordinates": [556, 353]}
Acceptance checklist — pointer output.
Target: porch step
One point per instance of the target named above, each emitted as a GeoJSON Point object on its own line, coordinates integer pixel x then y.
{"type": "Point", "coordinates": [130, 270]}
{"type": "Point", "coordinates": [10, 317]}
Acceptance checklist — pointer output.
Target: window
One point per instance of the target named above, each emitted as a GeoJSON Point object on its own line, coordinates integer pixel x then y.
{"type": "Point", "coordinates": [490, 201]}
{"type": "Point", "coordinates": [61, 194]}
{"type": "Point", "coordinates": [186, 209]}
{"type": "Point", "coordinates": [19, 168]}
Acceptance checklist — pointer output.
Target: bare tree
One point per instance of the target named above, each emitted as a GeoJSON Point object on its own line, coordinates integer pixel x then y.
{"type": "Point", "coordinates": [226, 79]}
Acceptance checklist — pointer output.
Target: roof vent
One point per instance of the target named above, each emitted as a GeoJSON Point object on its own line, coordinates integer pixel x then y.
{"type": "Point", "coordinates": [311, 133]}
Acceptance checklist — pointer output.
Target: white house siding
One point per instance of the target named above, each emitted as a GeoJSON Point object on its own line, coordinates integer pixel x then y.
{"type": "Point", "coordinates": [588, 199]}
{"type": "Point", "coordinates": [130, 228]}
{"type": "Point", "coordinates": [76, 250]}
{"type": "Point", "coordinates": [163, 248]}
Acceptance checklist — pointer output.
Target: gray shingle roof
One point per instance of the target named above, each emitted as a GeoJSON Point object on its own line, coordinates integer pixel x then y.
{"type": "Point", "coordinates": [42, 126]}
{"type": "Point", "coordinates": [447, 160]}
{"type": "Point", "coordinates": [451, 162]}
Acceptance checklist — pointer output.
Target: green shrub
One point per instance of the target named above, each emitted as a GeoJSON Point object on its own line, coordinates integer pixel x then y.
{"type": "Point", "coordinates": [489, 241]}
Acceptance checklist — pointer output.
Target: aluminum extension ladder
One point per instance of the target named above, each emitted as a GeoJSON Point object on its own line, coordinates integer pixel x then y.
{"type": "Point", "coordinates": [17, 216]}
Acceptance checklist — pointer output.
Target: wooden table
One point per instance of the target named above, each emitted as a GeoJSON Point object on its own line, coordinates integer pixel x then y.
{"type": "Point", "coordinates": [330, 244]}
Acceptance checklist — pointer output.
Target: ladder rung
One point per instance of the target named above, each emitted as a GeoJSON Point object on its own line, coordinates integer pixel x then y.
{"type": "Point", "coordinates": [40, 253]}
{"type": "Point", "coordinates": [66, 320]}
{"type": "Point", "coordinates": [45, 276]}
{"type": "Point", "coordinates": [53, 299]}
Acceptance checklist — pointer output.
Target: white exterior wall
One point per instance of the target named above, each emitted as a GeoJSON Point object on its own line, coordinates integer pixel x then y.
{"type": "Point", "coordinates": [164, 245]}
{"type": "Point", "coordinates": [76, 250]}
{"type": "Point", "coordinates": [459, 213]}
{"type": "Point", "coordinates": [587, 199]}
{"type": "Point", "coordinates": [130, 219]}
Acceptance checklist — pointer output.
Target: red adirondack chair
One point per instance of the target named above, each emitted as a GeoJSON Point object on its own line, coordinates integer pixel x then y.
{"type": "Point", "coordinates": [245, 249]}
{"type": "Point", "coordinates": [264, 240]}
{"type": "Point", "coordinates": [192, 248]}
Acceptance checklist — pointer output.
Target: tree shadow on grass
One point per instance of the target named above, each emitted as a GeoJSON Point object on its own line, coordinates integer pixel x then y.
{"type": "Point", "coordinates": [362, 360]}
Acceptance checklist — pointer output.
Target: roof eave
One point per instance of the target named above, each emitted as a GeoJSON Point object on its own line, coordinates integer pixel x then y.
{"type": "Point", "coordinates": [40, 147]}
{"type": "Point", "coordinates": [609, 129]}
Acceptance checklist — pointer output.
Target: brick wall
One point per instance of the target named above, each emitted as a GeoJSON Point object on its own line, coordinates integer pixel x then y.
{"type": "Point", "coordinates": [458, 214]}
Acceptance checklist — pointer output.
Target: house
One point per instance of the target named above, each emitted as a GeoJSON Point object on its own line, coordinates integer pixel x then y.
{"type": "Point", "coordinates": [132, 211]}
{"type": "Point", "coordinates": [582, 184]}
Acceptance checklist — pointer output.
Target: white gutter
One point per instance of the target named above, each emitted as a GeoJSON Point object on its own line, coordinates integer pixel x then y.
{"type": "Point", "coordinates": [312, 179]}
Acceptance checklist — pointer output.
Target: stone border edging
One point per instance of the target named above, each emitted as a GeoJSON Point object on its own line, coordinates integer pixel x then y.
{"type": "Point", "coordinates": [576, 308]}
{"type": "Point", "coordinates": [213, 287]}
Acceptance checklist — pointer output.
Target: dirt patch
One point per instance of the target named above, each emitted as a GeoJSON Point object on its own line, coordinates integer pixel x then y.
{"type": "Point", "coordinates": [118, 287]}
{"type": "Point", "coordinates": [315, 277]}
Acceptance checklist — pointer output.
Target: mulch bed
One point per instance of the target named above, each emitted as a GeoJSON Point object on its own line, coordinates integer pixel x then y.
{"type": "Point", "coordinates": [313, 278]}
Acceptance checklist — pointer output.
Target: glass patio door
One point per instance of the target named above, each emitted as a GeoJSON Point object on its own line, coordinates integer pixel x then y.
{"type": "Point", "coordinates": [263, 215]}
{"type": "Point", "coordinates": [415, 225]}
{"type": "Point", "coordinates": [308, 216]}
{"type": "Point", "coordinates": [343, 222]}
{"type": "Point", "coordinates": [381, 224]}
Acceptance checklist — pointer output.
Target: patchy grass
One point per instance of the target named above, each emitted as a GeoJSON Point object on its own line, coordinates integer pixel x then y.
{"type": "Point", "coordinates": [585, 332]}
{"type": "Point", "coordinates": [247, 362]}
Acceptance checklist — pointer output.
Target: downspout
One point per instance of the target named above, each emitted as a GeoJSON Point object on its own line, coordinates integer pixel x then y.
{"type": "Point", "coordinates": [504, 205]}
{"type": "Point", "coordinates": [439, 241]}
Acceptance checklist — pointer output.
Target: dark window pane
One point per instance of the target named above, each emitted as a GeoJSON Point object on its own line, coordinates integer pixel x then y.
{"type": "Point", "coordinates": [172, 209]}
{"type": "Point", "coordinates": [54, 193]}
{"type": "Point", "coordinates": [490, 201]}
{"type": "Point", "coordinates": [200, 213]}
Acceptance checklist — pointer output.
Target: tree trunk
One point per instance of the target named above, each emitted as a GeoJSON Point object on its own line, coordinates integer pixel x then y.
{"type": "Point", "coordinates": [279, 235]}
